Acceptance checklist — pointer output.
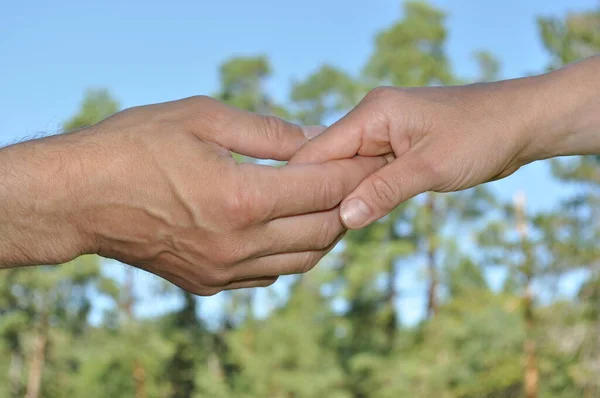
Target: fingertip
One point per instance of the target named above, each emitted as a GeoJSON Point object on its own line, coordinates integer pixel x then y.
{"type": "Point", "coordinates": [308, 153]}
{"type": "Point", "coordinates": [369, 163]}
{"type": "Point", "coordinates": [311, 132]}
{"type": "Point", "coordinates": [355, 213]}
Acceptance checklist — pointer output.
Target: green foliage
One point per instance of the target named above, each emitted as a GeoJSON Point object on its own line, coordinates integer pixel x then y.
{"type": "Point", "coordinates": [97, 105]}
{"type": "Point", "coordinates": [567, 40]}
{"type": "Point", "coordinates": [243, 85]}
{"type": "Point", "coordinates": [411, 52]}
{"type": "Point", "coordinates": [288, 354]}
{"type": "Point", "coordinates": [489, 66]}
{"type": "Point", "coordinates": [471, 349]}
{"type": "Point", "coordinates": [324, 93]}
{"type": "Point", "coordinates": [571, 38]}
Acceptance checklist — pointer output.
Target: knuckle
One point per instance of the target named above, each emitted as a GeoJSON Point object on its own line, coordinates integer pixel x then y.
{"type": "Point", "coordinates": [201, 112]}
{"type": "Point", "coordinates": [200, 104]}
{"type": "Point", "coordinates": [221, 257]}
{"type": "Point", "coordinates": [385, 194]}
{"type": "Point", "coordinates": [199, 289]}
{"type": "Point", "coordinates": [216, 277]}
{"type": "Point", "coordinates": [199, 100]}
{"type": "Point", "coordinates": [381, 93]}
{"type": "Point", "coordinates": [272, 127]}
{"type": "Point", "coordinates": [241, 206]}
{"type": "Point", "coordinates": [267, 282]}
{"type": "Point", "coordinates": [206, 291]}
{"type": "Point", "coordinates": [327, 234]}
{"type": "Point", "coordinates": [306, 262]}
{"type": "Point", "coordinates": [234, 205]}
{"type": "Point", "coordinates": [332, 191]}
{"type": "Point", "coordinates": [433, 171]}
{"type": "Point", "coordinates": [328, 194]}
{"type": "Point", "coordinates": [225, 252]}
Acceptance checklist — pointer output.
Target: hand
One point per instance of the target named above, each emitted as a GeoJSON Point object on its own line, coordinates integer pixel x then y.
{"type": "Point", "coordinates": [156, 187]}
{"type": "Point", "coordinates": [452, 138]}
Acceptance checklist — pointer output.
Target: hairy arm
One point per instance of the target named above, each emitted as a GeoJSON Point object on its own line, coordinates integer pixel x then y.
{"type": "Point", "coordinates": [156, 187]}
{"type": "Point", "coordinates": [39, 184]}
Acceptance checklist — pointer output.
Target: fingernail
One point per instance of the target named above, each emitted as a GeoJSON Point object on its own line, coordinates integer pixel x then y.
{"type": "Point", "coordinates": [390, 157]}
{"type": "Point", "coordinates": [355, 213]}
{"type": "Point", "coordinates": [311, 132]}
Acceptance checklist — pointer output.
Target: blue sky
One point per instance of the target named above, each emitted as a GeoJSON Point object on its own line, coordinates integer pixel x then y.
{"type": "Point", "coordinates": [152, 51]}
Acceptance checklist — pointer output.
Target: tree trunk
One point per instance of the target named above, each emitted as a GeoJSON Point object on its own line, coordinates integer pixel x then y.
{"type": "Point", "coordinates": [432, 304]}
{"type": "Point", "coordinates": [531, 370]}
{"type": "Point", "coordinates": [139, 377]}
{"type": "Point", "coordinates": [391, 296]}
{"type": "Point", "coordinates": [38, 358]}
{"type": "Point", "coordinates": [392, 321]}
{"type": "Point", "coordinates": [531, 377]}
{"type": "Point", "coordinates": [14, 373]}
{"type": "Point", "coordinates": [138, 372]}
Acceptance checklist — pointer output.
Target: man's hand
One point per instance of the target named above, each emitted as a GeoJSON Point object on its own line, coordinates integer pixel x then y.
{"type": "Point", "coordinates": [452, 138]}
{"type": "Point", "coordinates": [156, 187]}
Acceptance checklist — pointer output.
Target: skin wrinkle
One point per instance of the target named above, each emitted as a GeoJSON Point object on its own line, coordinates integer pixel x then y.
{"type": "Point", "coordinates": [459, 137]}
{"type": "Point", "coordinates": [213, 277]}
{"type": "Point", "coordinates": [190, 229]}
{"type": "Point", "coordinates": [40, 214]}
{"type": "Point", "coordinates": [266, 252]}
{"type": "Point", "coordinates": [324, 251]}
{"type": "Point", "coordinates": [146, 190]}
{"type": "Point", "coordinates": [161, 215]}
{"type": "Point", "coordinates": [175, 190]}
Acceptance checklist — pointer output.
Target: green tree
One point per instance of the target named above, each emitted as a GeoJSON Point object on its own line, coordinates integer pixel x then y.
{"type": "Point", "coordinates": [45, 299]}
{"type": "Point", "coordinates": [45, 303]}
{"type": "Point", "coordinates": [242, 84]}
{"type": "Point", "coordinates": [324, 94]}
{"type": "Point", "coordinates": [489, 66]}
{"type": "Point", "coordinates": [97, 104]}
{"type": "Point", "coordinates": [568, 39]}
{"type": "Point", "coordinates": [412, 51]}
{"type": "Point", "coordinates": [290, 353]}
{"type": "Point", "coordinates": [471, 349]}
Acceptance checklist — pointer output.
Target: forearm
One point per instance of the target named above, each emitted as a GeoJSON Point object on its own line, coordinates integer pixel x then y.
{"type": "Point", "coordinates": [567, 106]}
{"type": "Point", "coordinates": [37, 223]}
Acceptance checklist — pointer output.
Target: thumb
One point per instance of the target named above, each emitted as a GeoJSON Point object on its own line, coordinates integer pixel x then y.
{"type": "Point", "coordinates": [380, 193]}
{"type": "Point", "coordinates": [340, 141]}
{"type": "Point", "coordinates": [266, 137]}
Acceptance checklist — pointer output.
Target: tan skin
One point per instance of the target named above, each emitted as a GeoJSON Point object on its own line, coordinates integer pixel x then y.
{"type": "Point", "coordinates": [452, 138]}
{"type": "Point", "coordinates": [156, 186]}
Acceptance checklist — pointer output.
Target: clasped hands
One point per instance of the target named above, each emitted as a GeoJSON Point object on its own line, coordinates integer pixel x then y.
{"type": "Point", "coordinates": [156, 186]}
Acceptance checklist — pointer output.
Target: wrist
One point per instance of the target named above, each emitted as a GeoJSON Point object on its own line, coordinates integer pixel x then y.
{"type": "Point", "coordinates": [566, 112]}
{"type": "Point", "coordinates": [38, 196]}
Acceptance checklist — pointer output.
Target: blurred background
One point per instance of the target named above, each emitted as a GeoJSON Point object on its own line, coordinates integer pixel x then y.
{"type": "Point", "coordinates": [491, 292]}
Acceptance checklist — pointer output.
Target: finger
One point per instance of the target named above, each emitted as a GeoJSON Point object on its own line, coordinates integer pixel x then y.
{"type": "Point", "coordinates": [265, 137]}
{"type": "Point", "coordinates": [279, 264]}
{"type": "Point", "coordinates": [306, 232]}
{"type": "Point", "coordinates": [186, 284]}
{"type": "Point", "coordinates": [300, 189]}
{"type": "Point", "coordinates": [282, 263]}
{"type": "Point", "coordinates": [251, 283]}
{"type": "Point", "coordinates": [363, 131]}
{"type": "Point", "coordinates": [198, 289]}
{"type": "Point", "coordinates": [340, 141]}
{"type": "Point", "coordinates": [380, 193]}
